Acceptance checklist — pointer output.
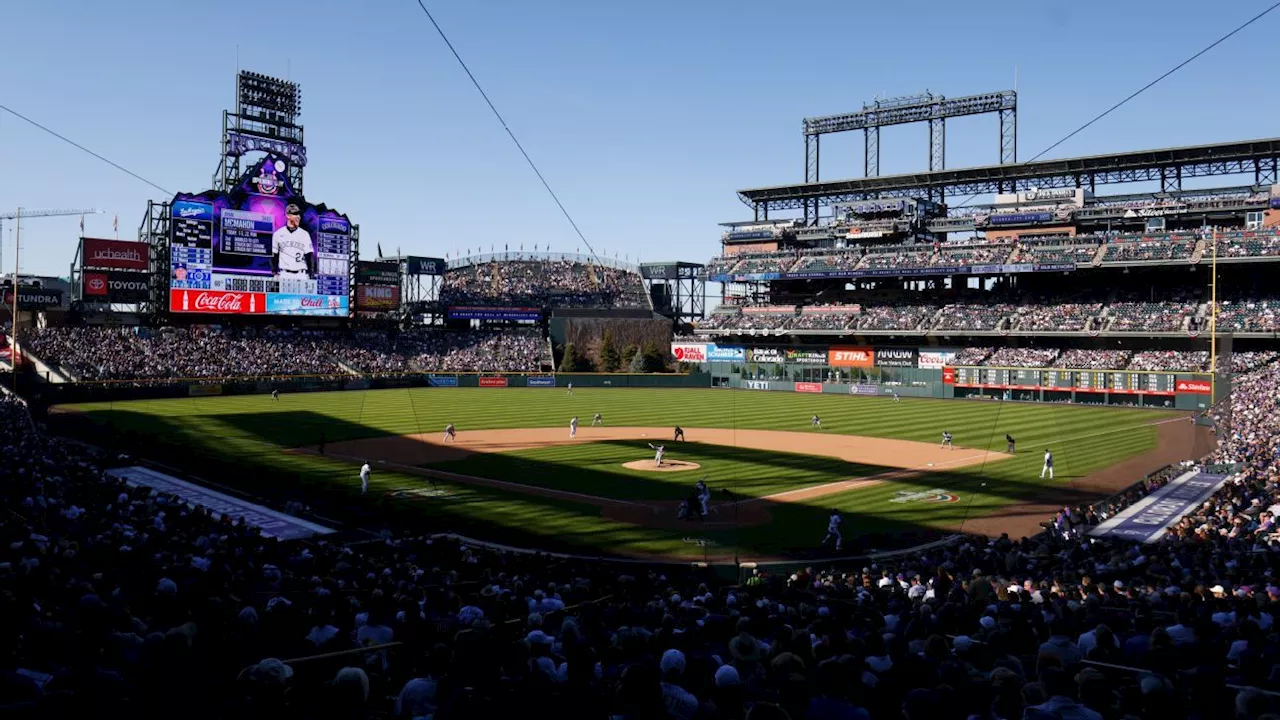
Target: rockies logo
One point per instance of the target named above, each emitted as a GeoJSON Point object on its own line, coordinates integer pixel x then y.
{"type": "Point", "coordinates": [935, 495]}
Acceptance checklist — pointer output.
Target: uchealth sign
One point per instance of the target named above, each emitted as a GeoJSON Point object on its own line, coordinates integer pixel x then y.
{"type": "Point", "coordinates": [490, 381]}
{"type": "Point", "coordinates": [689, 352]}
{"type": "Point", "coordinates": [217, 302]}
{"type": "Point", "coordinates": [808, 387]}
{"type": "Point", "coordinates": [851, 357]}
{"type": "Point", "coordinates": [116, 287]}
{"type": "Point", "coordinates": [1194, 387]}
{"type": "Point", "coordinates": [896, 357]}
{"type": "Point", "coordinates": [114, 254]}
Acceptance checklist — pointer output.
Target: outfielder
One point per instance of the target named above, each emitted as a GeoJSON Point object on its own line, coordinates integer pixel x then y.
{"type": "Point", "coordinates": [597, 420]}
{"type": "Point", "coordinates": [573, 427]}
{"type": "Point", "coordinates": [364, 477]}
{"type": "Point", "coordinates": [275, 395]}
{"type": "Point", "coordinates": [704, 495]}
{"type": "Point", "coordinates": [833, 529]}
{"type": "Point", "coordinates": [946, 440]}
{"type": "Point", "coordinates": [1009, 439]}
{"type": "Point", "coordinates": [657, 453]}
{"type": "Point", "coordinates": [450, 434]}
{"type": "Point", "coordinates": [292, 252]}
{"type": "Point", "coordinates": [895, 396]}
{"type": "Point", "coordinates": [570, 386]}
{"type": "Point", "coordinates": [1048, 464]}
{"type": "Point", "coordinates": [816, 422]}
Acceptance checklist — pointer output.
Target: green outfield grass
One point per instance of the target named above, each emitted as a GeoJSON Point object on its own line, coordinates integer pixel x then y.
{"type": "Point", "coordinates": [240, 441]}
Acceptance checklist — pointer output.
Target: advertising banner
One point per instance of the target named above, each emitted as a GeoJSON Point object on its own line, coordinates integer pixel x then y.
{"type": "Point", "coordinates": [378, 273]}
{"type": "Point", "coordinates": [217, 302]}
{"type": "Point", "coordinates": [34, 298]}
{"type": "Point", "coordinates": [756, 384]}
{"type": "Point", "coordinates": [110, 286]}
{"type": "Point", "coordinates": [1025, 218]}
{"type": "Point", "coordinates": [860, 357]}
{"type": "Point", "coordinates": [805, 357]}
{"type": "Point", "coordinates": [948, 376]}
{"type": "Point", "coordinates": [765, 355]}
{"type": "Point", "coordinates": [424, 266]}
{"type": "Point", "coordinates": [204, 390]}
{"type": "Point", "coordinates": [442, 380]}
{"type": "Point", "coordinates": [1146, 520]}
{"type": "Point", "coordinates": [897, 357]}
{"type": "Point", "coordinates": [114, 254]}
{"type": "Point", "coordinates": [930, 270]}
{"type": "Point", "coordinates": [936, 359]}
{"type": "Point", "coordinates": [290, 304]}
{"type": "Point", "coordinates": [864, 390]}
{"type": "Point", "coordinates": [1194, 387]}
{"type": "Point", "coordinates": [808, 387]}
{"type": "Point", "coordinates": [495, 313]}
{"type": "Point", "coordinates": [540, 381]}
{"type": "Point", "coordinates": [689, 352]}
{"type": "Point", "coordinates": [715, 353]}
{"type": "Point", "coordinates": [377, 297]}
{"type": "Point", "coordinates": [489, 381]}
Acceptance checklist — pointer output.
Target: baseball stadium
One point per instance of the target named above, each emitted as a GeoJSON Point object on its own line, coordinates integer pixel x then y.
{"type": "Point", "coordinates": [1034, 370]}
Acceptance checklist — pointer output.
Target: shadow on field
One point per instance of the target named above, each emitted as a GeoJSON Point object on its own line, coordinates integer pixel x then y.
{"type": "Point", "coordinates": [247, 452]}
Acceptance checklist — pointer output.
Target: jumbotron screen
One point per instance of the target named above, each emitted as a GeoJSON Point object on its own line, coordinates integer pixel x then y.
{"type": "Point", "coordinates": [259, 249]}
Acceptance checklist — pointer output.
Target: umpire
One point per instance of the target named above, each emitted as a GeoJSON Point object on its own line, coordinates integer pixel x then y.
{"type": "Point", "coordinates": [679, 434]}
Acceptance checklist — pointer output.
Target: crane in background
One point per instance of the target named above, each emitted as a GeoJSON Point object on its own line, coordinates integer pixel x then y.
{"type": "Point", "coordinates": [24, 214]}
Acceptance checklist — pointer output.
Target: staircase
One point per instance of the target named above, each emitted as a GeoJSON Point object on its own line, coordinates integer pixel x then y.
{"type": "Point", "coordinates": [1097, 257]}
{"type": "Point", "coordinates": [1198, 253]}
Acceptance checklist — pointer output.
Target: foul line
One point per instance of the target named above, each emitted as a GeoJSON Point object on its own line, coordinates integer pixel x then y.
{"type": "Point", "coordinates": [475, 480]}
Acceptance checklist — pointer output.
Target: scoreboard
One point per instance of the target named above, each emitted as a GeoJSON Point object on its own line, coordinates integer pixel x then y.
{"type": "Point", "coordinates": [1124, 382]}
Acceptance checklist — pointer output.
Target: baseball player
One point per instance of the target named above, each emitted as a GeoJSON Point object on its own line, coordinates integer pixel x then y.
{"type": "Point", "coordinates": [597, 420]}
{"type": "Point", "coordinates": [816, 422]}
{"type": "Point", "coordinates": [570, 386]}
{"type": "Point", "coordinates": [946, 440]}
{"type": "Point", "coordinates": [895, 396]}
{"type": "Point", "coordinates": [1009, 440]}
{"type": "Point", "coordinates": [679, 435]}
{"type": "Point", "coordinates": [658, 450]}
{"type": "Point", "coordinates": [292, 253]}
{"type": "Point", "coordinates": [833, 529]}
{"type": "Point", "coordinates": [364, 477]}
{"type": "Point", "coordinates": [275, 395]}
{"type": "Point", "coordinates": [450, 434]}
{"type": "Point", "coordinates": [704, 495]}
{"type": "Point", "coordinates": [573, 427]}
{"type": "Point", "coordinates": [1048, 464]}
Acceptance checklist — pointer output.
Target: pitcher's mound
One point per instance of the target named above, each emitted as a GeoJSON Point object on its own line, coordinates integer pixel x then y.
{"type": "Point", "coordinates": [666, 466]}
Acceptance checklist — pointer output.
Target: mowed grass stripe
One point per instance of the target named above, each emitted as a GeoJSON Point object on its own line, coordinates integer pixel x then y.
{"type": "Point", "coordinates": [240, 440]}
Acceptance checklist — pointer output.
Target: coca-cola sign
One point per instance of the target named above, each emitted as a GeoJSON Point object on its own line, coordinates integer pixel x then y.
{"type": "Point", "coordinates": [114, 254]}
{"type": "Point", "coordinates": [217, 302]}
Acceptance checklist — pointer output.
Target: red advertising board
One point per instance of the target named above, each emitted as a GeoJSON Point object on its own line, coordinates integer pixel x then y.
{"type": "Point", "coordinates": [493, 381]}
{"type": "Point", "coordinates": [948, 376]}
{"type": "Point", "coordinates": [377, 297]}
{"type": "Point", "coordinates": [217, 302]}
{"type": "Point", "coordinates": [1195, 387]}
{"type": "Point", "coordinates": [114, 254]}
{"type": "Point", "coordinates": [861, 357]}
{"type": "Point", "coordinates": [808, 387]}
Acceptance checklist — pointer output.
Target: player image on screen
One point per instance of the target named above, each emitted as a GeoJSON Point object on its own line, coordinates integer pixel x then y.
{"type": "Point", "coordinates": [292, 252]}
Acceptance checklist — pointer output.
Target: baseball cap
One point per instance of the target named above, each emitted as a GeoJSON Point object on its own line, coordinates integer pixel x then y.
{"type": "Point", "coordinates": [292, 209]}
{"type": "Point", "coordinates": [672, 661]}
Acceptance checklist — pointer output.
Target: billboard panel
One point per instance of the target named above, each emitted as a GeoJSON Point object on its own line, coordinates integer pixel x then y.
{"type": "Point", "coordinates": [378, 273]}
{"type": "Point", "coordinates": [114, 254]}
{"type": "Point", "coordinates": [897, 357]}
{"type": "Point", "coordinates": [489, 381]}
{"type": "Point", "coordinates": [217, 302]}
{"type": "Point", "coordinates": [34, 298]}
{"type": "Point", "coordinates": [377, 298]}
{"type": "Point", "coordinates": [494, 313]}
{"type": "Point", "coordinates": [262, 238]}
{"type": "Point", "coordinates": [540, 381]}
{"type": "Point", "coordinates": [860, 357]}
{"type": "Point", "coordinates": [424, 266]}
{"type": "Point", "coordinates": [689, 352]}
{"type": "Point", "coordinates": [936, 359]}
{"type": "Point", "coordinates": [110, 286]}
{"type": "Point", "coordinates": [717, 353]}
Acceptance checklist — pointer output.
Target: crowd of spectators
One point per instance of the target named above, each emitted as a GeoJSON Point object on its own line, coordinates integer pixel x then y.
{"type": "Point", "coordinates": [1252, 243]}
{"type": "Point", "coordinates": [832, 262]}
{"type": "Point", "coordinates": [122, 602]}
{"type": "Point", "coordinates": [1166, 316]}
{"type": "Point", "coordinates": [1082, 359]}
{"type": "Point", "coordinates": [895, 317]}
{"type": "Point", "coordinates": [1170, 360]}
{"type": "Point", "coordinates": [1059, 317]}
{"type": "Point", "coordinates": [1022, 357]}
{"type": "Point", "coordinates": [1152, 248]}
{"type": "Point", "coordinates": [966, 256]}
{"type": "Point", "coordinates": [1249, 315]}
{"type": "Point", "coordinates": [973, 356]}
{"type": "Point", "coordinates": [543, 283]}
{"type": "Point", "coordinates": [96, 353]}
{"type": "Point", "coordinates": [1056, 252]}
{"type": "Point", "coordinates": [979, 317]}
{"type": "Point", "coordinates": [818, 318]}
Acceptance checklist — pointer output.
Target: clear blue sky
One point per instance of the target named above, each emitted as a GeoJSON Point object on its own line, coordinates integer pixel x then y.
{"type": "Point", "coordinates": [644, 116]}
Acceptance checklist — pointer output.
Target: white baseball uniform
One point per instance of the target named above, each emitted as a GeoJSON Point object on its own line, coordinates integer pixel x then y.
{"type": "Point", "coordinates": [1048, 465]}
{"type": "Point", "coordinates": [573, 427]}
{"type": "Point", "coordinates": [449, 433]}
{"type": "Point", "coordinates": [364, 478]}
{"type": "Point", "coordinates": [657, 453]}
{"type": "Point", "coordinates": [833, 530]}
{"type": "Point", "coordinates": [291, 248]}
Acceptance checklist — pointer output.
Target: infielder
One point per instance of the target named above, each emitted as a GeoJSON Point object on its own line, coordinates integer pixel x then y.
{"type": "Point", "coordinates": [364, 477]}
{"type": "Point", "coordinates": [597, 420]}
{"type": "Point", "coordinates": [1048, 464]}
{"type": "Point", "coordinates": [1009, 439]}
{"type": "Point", "coordinates": [657, 453]}
{"type": "Point", "coordinates": [816, 422]}
{"type": "Point", "coordinates": [833, 529]}
{"type": "Point", "coordinates": [293, 254]}
{"type": "Point", "coordinates": [573, 427]}
{"type": "Point", "coordinates": [679, 434]}
{"type": "Point", "coordinates": [450, 434]}
{"type": "Point", "coordinates": [946, 440]}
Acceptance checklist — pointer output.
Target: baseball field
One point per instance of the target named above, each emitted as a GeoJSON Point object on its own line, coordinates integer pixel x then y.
{"type": "Point", "coordinates": [513, 474]}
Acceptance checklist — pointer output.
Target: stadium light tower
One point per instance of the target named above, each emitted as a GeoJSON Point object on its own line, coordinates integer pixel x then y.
{"type": "Point", "coordinates": [18, 217]}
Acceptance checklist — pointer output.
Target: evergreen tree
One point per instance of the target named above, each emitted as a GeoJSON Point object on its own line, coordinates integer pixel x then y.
{"type": "Point", "coordinates": [610, 359]}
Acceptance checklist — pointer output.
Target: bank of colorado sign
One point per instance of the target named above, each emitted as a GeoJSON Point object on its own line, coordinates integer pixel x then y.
{"type": "Point", "coordinates": [689, 352]}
